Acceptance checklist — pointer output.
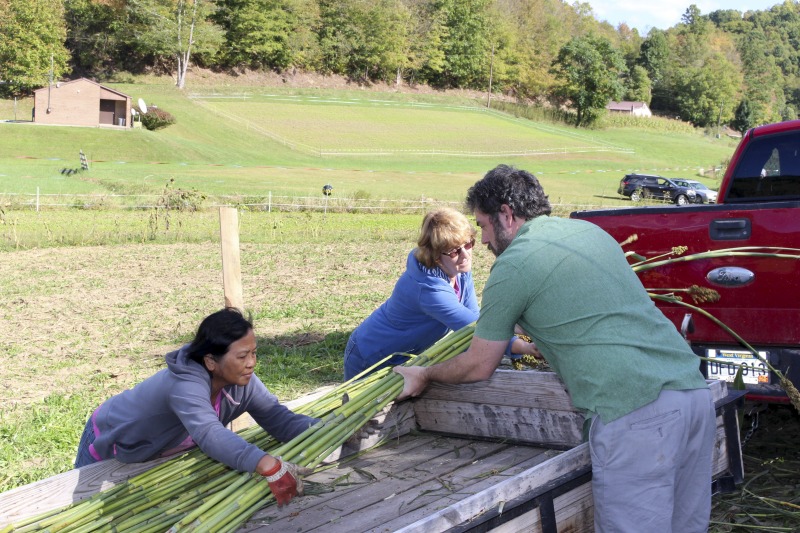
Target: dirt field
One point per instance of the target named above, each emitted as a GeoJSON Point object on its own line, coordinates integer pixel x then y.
{"type": "Point", "coordinates": [73, 316]}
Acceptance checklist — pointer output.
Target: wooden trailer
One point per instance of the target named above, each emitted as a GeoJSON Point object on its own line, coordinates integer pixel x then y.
{"type": "Point", "coordinates": [502, 455]}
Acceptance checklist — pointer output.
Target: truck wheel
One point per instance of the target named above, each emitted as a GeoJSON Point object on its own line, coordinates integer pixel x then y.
{"type": "Point", "coordinates": [681, 199]}
{"type": "Point", "coordinates": [637, 195]}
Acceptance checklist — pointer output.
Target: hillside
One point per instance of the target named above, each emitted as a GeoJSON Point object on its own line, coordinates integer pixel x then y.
{"type": "Point", "coordinates": [259, 134]}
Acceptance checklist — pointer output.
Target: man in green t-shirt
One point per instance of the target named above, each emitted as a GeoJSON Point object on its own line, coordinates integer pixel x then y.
{"type": "Point", "coordinates": [568, 284]}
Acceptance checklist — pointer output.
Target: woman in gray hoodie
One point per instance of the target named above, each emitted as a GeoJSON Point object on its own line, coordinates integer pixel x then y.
{"type": "Point", "coordinates": [207, 384]}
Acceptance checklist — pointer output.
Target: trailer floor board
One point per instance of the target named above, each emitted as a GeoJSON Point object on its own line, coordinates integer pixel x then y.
{"type": "Point", "coordinates": [398, 483]}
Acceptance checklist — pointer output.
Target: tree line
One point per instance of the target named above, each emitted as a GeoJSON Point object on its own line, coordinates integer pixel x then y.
{"type": "Point", "coordinates": [726, 66]}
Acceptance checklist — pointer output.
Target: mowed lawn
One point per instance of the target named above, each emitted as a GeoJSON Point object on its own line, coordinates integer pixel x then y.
{"type": "Point", "coordinates": [335, 125]}
{"type": "Point", "coordinates": [244, 147]}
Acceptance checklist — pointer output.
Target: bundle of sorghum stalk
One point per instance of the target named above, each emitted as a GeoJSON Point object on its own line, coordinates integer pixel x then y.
{"type": "Point", "coordinates": [195, 493]}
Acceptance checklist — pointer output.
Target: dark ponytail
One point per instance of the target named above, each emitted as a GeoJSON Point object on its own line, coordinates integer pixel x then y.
{"type": "Point", "coordinates": [217, 332]}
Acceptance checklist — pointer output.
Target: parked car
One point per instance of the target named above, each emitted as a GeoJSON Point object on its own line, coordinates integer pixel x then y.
{"type": "Point", "coordinates": [704, 194]}
{"type": "Point", "coordinates": [641, 186]}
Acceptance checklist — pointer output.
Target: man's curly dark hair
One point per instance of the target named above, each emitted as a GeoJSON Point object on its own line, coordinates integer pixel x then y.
{"type": "Point", "coordinates": [519, 189]}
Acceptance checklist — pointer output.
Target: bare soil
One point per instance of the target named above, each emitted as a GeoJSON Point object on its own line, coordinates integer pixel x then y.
{"type": "Point", "coordinates": [200, 77]}
{"type": "Point", "coordinates": [74, 318]}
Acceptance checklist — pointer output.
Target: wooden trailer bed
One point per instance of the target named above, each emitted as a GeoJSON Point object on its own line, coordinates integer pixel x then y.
{"type": "Point", "coordinates": [473, 457]}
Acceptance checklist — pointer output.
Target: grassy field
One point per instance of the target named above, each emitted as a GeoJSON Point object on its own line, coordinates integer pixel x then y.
{"type": "Point", "coordinates": [252, 141]}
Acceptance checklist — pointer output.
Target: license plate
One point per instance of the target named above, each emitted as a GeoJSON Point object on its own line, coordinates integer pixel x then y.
{"type": "Point", "coordinates": [725, 363]}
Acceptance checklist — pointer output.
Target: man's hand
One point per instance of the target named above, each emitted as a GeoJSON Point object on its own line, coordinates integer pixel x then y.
{"type": "Point", "coordinates": [414, 380]}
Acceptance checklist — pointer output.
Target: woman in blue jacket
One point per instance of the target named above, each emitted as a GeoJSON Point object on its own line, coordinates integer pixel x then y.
{"type": "Point", "coordinates": [434, 295]}
{"type": "Point", "coordinates": [207, 384]}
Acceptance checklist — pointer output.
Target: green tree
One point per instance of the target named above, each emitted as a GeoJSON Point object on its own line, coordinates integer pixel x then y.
{"type": "Point", "coordinates": [705, 95]}
{"type": "Point", "coordinates": [264, 33]}
{"type": "Point", "coordinates": [427, 30]}
{"type": "Point", "coordinates": [32, 52]}
{"type": "Point", "coordinates": [466, 43]}
{"type": "Point", "coordinates": [743, 118]}
{"type": "Point", "coordinates": [93, 36]}
{"type": "Point", "coordinates": [702, 80]}
{"type": "Point", "coordinates": [589, 72]}
{"type": "Point", "coordinates": [639, 88]}
{"type": "Point", "coordinates": [392, 26]}
{"type": "Point", "coordinates": [537, 32]}
{"type": "Point", "coordinates": [654, 56]}
{"type": "Point", "coordinates": [170, 33]}
{"type": "Point", "coordinates": [363, 39]}
{"type": "Point", "coordinates": [763, 81]}
{"type": "Point", "coordinates": [692, 16]}
{"type": "Point", "coordinates": [729, 20]}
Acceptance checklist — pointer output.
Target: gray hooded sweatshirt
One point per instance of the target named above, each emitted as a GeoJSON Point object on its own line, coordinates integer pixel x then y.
{"type": "Point", "coordinates": [159, 413]}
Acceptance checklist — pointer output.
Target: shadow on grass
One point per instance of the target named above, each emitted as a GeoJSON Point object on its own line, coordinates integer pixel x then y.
{"type": "Point", "coordinates": [291, 365]}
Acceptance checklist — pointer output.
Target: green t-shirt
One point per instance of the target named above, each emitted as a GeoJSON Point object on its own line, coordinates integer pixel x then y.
{"type": "Point", "coordinates": [569, 285]}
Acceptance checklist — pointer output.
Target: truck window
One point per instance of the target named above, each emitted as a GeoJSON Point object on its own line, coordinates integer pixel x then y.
{"type": "Point", "coordinates": [769, 169]}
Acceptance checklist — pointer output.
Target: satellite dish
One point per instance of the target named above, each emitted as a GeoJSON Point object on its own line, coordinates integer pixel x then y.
{"type": "Point", "coordinates": [134, 112]}
{"type": "Point", "coordinates": [142, 105]}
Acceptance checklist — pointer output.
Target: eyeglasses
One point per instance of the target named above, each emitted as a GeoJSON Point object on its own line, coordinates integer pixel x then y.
{"type": "Point", "coordinates": [452, 254]}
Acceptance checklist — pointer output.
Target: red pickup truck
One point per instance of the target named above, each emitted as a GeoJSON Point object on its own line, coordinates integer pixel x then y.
{"type": "Point", "coordinates": [759, 297]}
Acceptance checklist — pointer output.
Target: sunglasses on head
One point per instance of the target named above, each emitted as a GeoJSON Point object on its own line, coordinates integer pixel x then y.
{"type": "Point", "coordinates": [452, 254]}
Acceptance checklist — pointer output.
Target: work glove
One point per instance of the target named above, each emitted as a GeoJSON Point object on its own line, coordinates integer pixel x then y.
{"type": "Point", "coordinates": [286, 481]}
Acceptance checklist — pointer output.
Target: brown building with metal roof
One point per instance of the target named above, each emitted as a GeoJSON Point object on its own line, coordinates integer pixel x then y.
{"type": "Point", "coordinates": [81, 102]}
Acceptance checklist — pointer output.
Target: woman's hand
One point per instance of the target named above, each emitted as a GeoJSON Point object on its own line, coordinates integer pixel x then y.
{"type": "Point", "coordinates": [284, 478]}
{"type": "Point", "coordinates": [523, 347]}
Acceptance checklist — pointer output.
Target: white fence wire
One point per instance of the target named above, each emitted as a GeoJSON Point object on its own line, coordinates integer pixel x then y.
{"type": "Point", "coordinates": [268, 203]}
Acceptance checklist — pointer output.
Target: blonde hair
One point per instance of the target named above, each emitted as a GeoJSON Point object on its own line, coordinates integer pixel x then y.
{"type": "Point", "coordinates": [442, 230]}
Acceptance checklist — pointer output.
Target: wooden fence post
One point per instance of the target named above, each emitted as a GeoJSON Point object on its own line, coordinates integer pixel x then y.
{"type": "Point", "coordinates": [231, 267]}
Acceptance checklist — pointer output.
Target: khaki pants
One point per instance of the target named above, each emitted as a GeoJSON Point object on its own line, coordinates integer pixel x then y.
{"type": "Point", "coordinates": [651, 469]}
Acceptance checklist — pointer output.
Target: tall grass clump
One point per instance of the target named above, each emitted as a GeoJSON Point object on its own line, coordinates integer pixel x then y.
{"type": "Point", "coordinates": [535, 113]}
{"type": "Point", "coordinates": [659, 124]}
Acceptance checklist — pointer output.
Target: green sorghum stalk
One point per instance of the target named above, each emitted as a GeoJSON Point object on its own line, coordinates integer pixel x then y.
{"type": "Point", "coordinates": [195, 493]}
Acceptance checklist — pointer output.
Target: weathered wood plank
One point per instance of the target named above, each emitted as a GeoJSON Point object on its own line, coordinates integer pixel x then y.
{"type": "Point", "coordinates": [231, 266]}
{"type": "Point", "coordinates": [344, 478]}
{"type": "Point", "coordinates": [719, 457]}
{"type": "Point", "coordinates": [464, 482]}
{"type": "Point", "coordinates": [393, 421]}
{"type": "Point", "coordinates": [575, 510]}
{"type": "Point", "coordinates": [541, 427]}
{"type": "Point", "coordinates": [524, 389]}
{"type": "Point", "coordinates": [719, 389]}
{"type": "Point", "coordinates": [513, 388]}
{"type": "Point", "coordinates": [525, 482]}
{"type": "Point", "coordinates": [574, 513]}
{"type": "Point", "coordinates": [394, 474]}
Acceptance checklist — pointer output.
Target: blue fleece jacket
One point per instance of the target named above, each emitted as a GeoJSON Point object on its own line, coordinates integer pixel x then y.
{"type": "Point", "coordinates": [158, 414]}
{"type": "Point", "coordinates": [423, 307]}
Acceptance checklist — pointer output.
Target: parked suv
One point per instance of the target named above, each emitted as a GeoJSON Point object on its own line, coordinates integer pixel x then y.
{"type": "Point", "coordinates": [640, 186]}
{"type": "Point", "coordinates": [704, 194]}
